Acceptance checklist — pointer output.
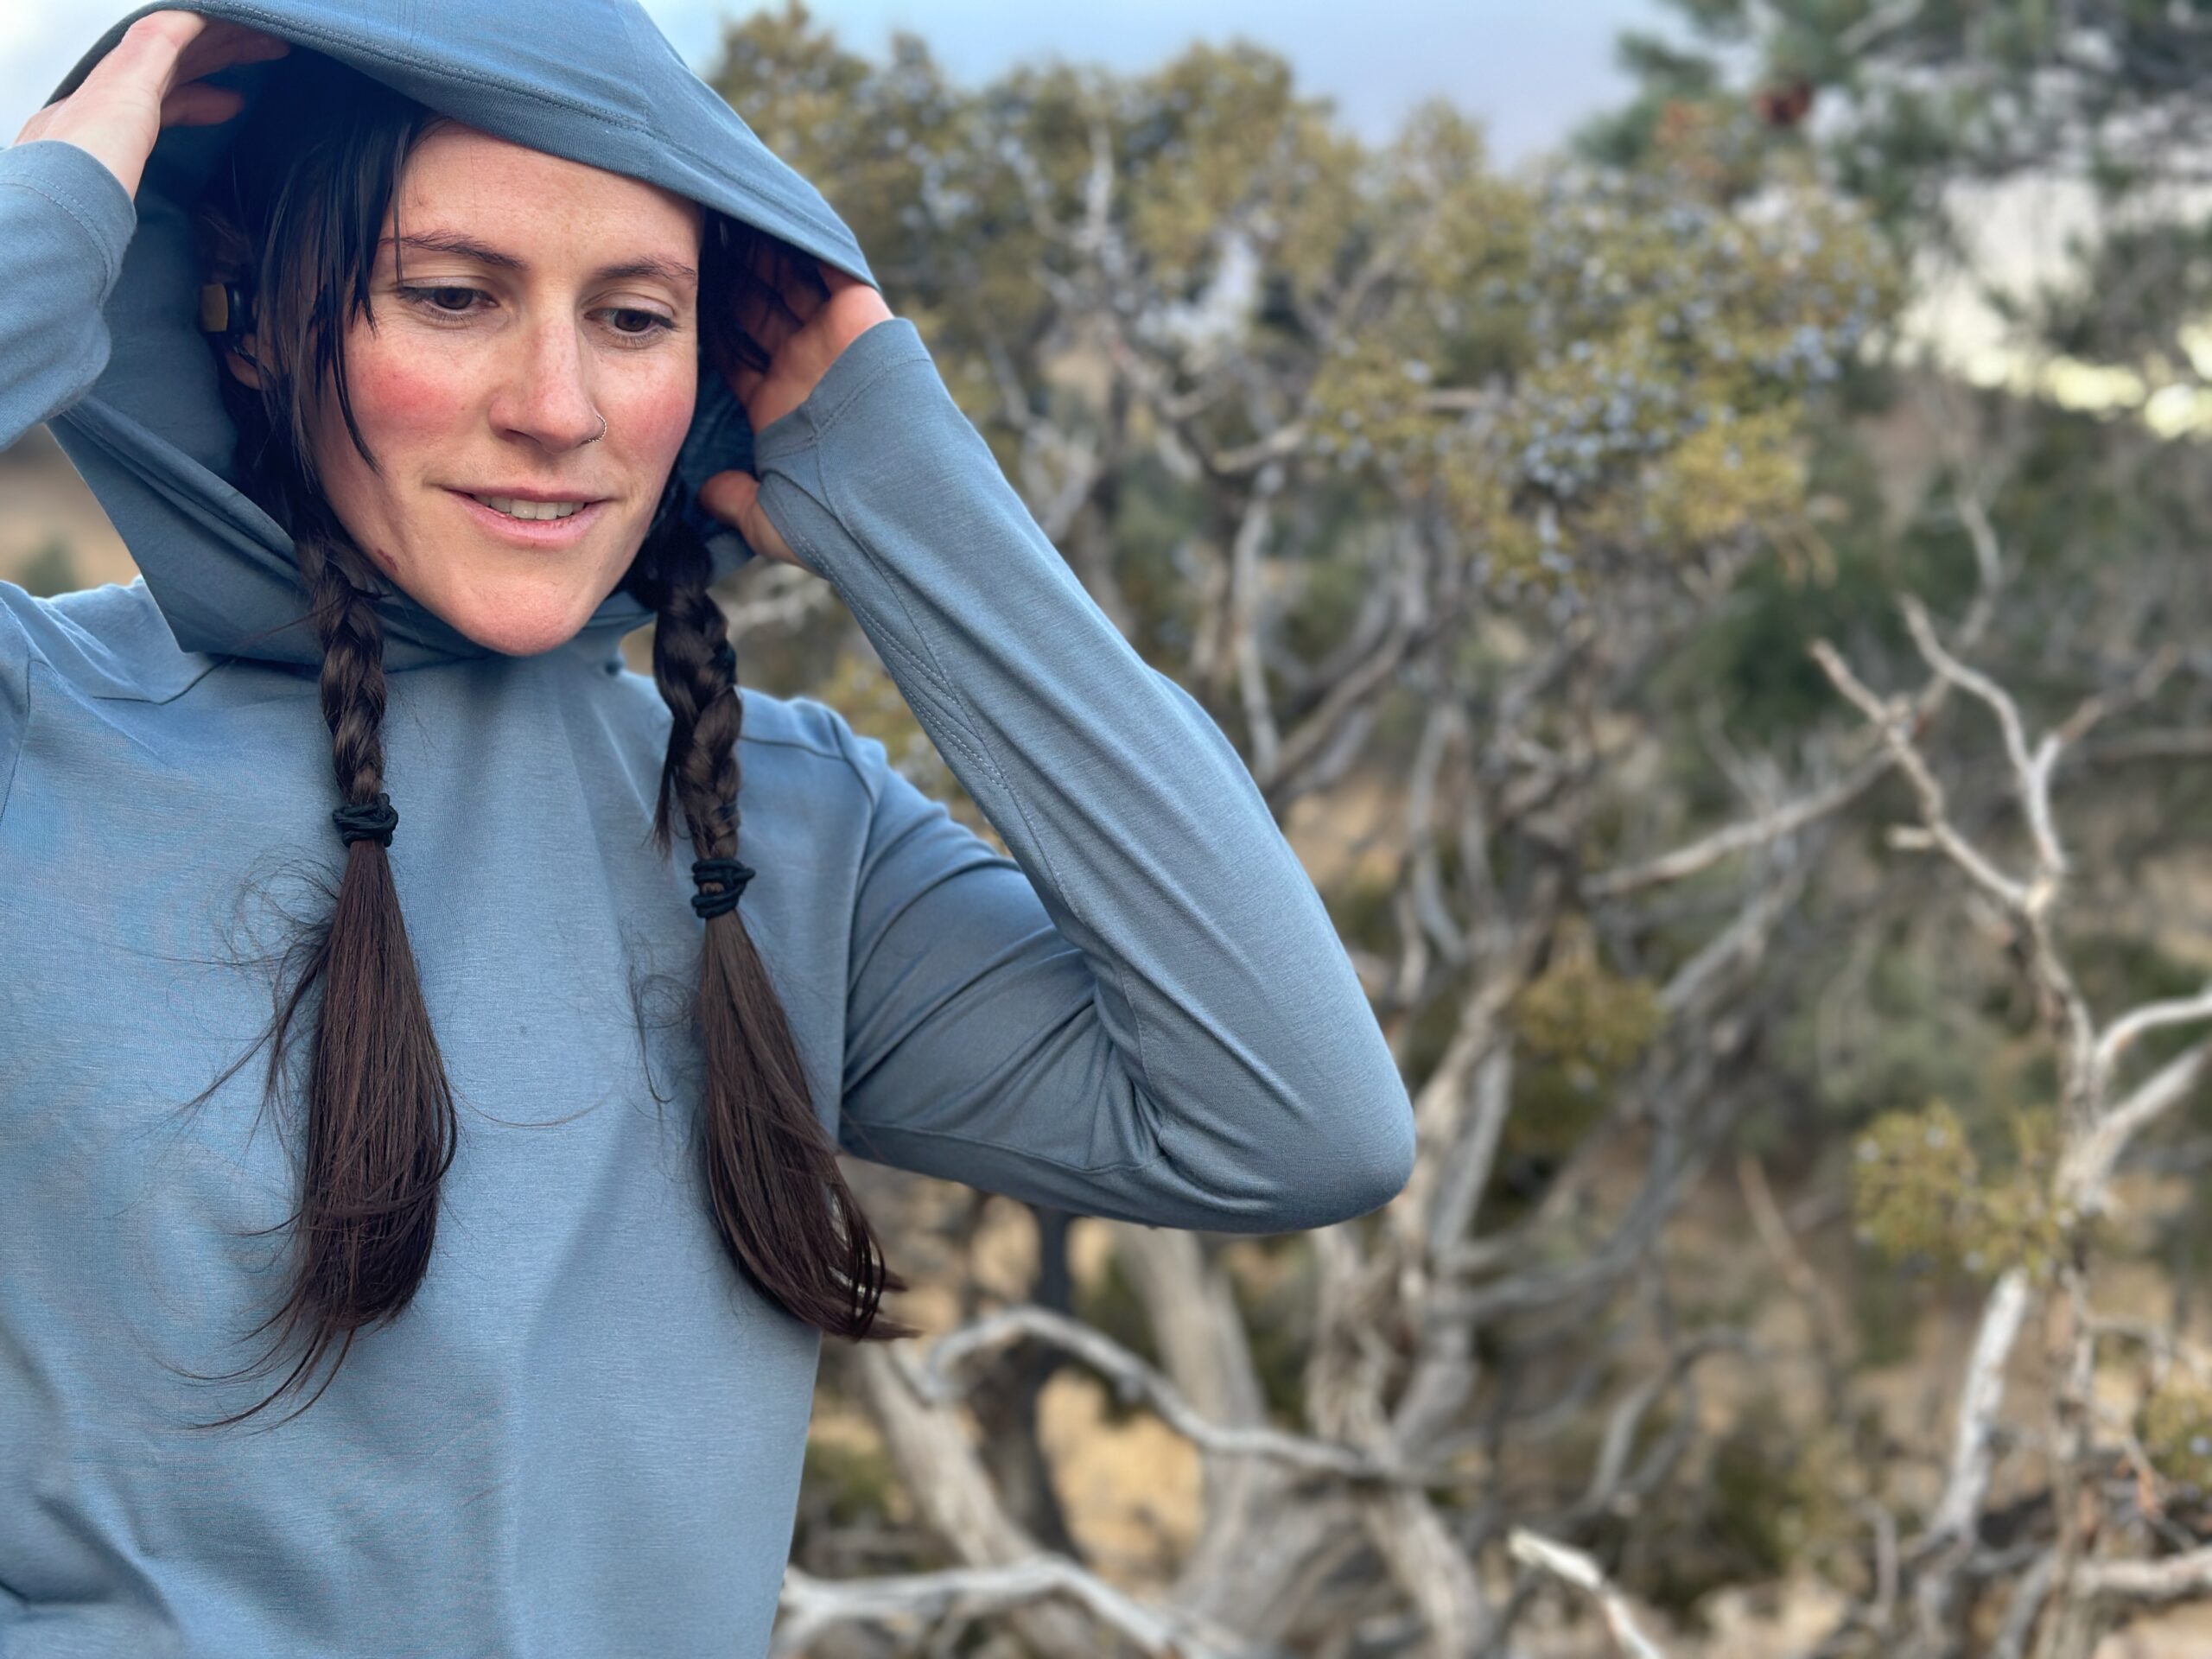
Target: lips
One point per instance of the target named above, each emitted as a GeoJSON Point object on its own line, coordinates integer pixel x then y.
{"type": "Point", "coordinates": [531, 532]}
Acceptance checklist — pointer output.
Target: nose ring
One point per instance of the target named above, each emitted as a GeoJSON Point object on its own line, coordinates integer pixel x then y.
{"type": "Point", "coordinates": [602, 433]}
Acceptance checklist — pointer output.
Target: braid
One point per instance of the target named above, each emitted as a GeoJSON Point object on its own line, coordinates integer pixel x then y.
{"type": "Point", "coordinates": [352, 633]}
{"type": "Point", "coordinates": [381, 1129]}
{"type": "Point", "coordinates": [695, 669]}
{"type": "Point", "coordinates": [768, 1160]}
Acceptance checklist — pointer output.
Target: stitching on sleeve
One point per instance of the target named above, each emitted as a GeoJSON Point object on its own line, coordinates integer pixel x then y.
{"type": "Point", "coordinates": [924, 668]}
{"type": "Point", "coordinates": [999, 1147]}
{"type": "Point", "coordinates": [906, 360]}
{"type": "Point", "coordinates": [84, 224]}
{"type": "Point", "coordinates": [965, 723]}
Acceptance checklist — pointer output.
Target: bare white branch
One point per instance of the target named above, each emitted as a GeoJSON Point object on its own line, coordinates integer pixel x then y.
{"type": "Point", "coordinates": [812, 1606]}
{"type": "Point", "coordinates": [1890, 719]}
{"type": "Point", "coordinates": [2030, 768]}
{"type": "Point", "coordinates": [1979, 1396]}
{"type": "Point", "coordinates": [935, 1379]}
{"type": "Point", "coordinates": [2186, 1574]}
{"type": "Point", "coordinates": [2088, 1164]}
{"type": "Point", "coordinates": [1579, 1570]}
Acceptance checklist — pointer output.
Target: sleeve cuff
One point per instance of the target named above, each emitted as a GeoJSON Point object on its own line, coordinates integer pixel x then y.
{"type": "Point", "coordinates": [880, 348]}
{"type": "Point", "coordinates": [78, 182]}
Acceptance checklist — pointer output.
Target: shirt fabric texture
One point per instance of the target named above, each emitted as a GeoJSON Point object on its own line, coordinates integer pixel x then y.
{"type": "Point", "coordinates": [583, 1436]}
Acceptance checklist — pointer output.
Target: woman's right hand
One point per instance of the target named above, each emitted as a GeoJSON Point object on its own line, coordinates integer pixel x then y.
{"type": "Point", "coordinates": [149, 80]}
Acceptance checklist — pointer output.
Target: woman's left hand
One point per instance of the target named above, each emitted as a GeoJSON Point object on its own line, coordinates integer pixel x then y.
{"type": "Point", "coordinates": [801, 343]}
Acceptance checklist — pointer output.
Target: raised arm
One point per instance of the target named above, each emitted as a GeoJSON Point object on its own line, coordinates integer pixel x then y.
{"type": "Point", "coordinates": [64, 222]}
{"type": "Point", "coordinates": [67, 207]}
{"type": "Point", "coordinates": [1148, 1014]}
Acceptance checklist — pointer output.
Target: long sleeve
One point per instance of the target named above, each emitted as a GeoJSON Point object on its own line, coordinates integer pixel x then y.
{"type": "Point", "coordinates": [65, 221]}
{"type": "Point", "coordinates": [1148, 1013]}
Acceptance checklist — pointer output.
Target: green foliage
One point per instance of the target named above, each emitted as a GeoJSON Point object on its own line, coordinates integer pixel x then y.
{"type": "Point", "coordinates": [1758, 1499]}
{"type": "Point", "coordinates": [1746, 1515]}
{"type": "Point", "coordinates": [1918, 98]}
{"type": "Point", "coordinates": [1914, 1184]}
{"type": "Point", "coordinates": [1278, 1323]}
{"type": "Point", "coordinates": [1589, 362]}
{"type": "Point", "coordinates": [2174, 1422]}
{"type": "Point", "coordinates": [51, 570]}
{"type": "Point", "coordinates": [1579, 1015]}
{"type": "Point", "coordinates": [1361, 908]}
{"type": "Point", "coordinates": [1885, 1309]}
{"type": "Point", "coordinates": [847, 1485]}
{"type": "Point", "coordinates": [1578, 1026]}
{"type": "Point", "coordinates": [1110, 1305]}
{"type": "Point", "coordinates": [1919, 1193]}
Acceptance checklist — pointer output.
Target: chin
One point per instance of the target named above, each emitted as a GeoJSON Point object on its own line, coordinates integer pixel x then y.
{"type": "Point", "coordinates": [519, 635]}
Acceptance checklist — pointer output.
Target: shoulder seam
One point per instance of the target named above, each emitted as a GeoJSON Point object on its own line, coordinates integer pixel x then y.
{"type": "Point", "coordinates": [790, 743]}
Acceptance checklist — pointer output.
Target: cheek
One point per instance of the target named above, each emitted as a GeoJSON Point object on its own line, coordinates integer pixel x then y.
{"type": "Point", "coordinates": [411, 409]}
{"type": "Point", "coordinates": [654, 414]}
{"type": "Point", "coordinates": [407, 397]}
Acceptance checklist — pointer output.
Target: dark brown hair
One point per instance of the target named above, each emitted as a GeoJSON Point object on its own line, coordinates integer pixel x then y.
{"type": "Point", "coordinates": [294, 216]}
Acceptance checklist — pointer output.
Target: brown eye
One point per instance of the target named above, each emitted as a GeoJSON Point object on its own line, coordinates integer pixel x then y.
{"type": "Point", "coordinates": [429, 298]}
{"type": "Point", "coordinates": [653, 323]}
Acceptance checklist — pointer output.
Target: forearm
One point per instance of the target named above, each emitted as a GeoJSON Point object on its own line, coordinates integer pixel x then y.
{"type": "Point", "coordinates": [1221, 980]}
{"type": "Point", "coordinates": [65, 221]}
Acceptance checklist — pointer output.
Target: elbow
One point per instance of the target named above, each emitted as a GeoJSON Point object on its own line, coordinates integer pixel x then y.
{"type": "Point", "coordinates": [1366, 1168]}
{"type": "Point", "coordinates": [1304, 1165]}
{"type": "Point", "coordinates": [1377, 1168]}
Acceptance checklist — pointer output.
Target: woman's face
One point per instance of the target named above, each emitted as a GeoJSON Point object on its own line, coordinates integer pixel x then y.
{"type": "Point", "coordinates": [540, 295]}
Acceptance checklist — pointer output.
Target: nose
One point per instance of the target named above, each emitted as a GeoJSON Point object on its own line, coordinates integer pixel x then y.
{"type": "Point", "coordinates": [547, 399]}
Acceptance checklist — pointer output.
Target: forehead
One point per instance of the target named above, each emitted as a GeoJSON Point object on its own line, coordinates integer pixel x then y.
{"type": "Point", "coordinates": [458, 178]}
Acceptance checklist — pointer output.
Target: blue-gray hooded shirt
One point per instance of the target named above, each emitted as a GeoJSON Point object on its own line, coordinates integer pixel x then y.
{"type": "Point", "coordinates": [584, 1435]}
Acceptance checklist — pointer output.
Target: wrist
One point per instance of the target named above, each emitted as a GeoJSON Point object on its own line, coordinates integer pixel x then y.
{"type": "Point", "coordinates": [115, 159]}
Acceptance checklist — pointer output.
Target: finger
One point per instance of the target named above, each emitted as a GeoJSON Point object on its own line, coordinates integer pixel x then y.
{"type": "Point", "coordinates": [171, 34]}
{"type": "Point", "coordinates": [174, 24]}
{"type": "Point", "coordinates": [149, 56]}
{"type": "Point", "coordinates": [755, 315]}
{"type": "Point", "coordinates": [149, 50]}
{"type": "Point", "coordinates": [199, 104]}
{"type": "Point", "coordinates": [226, 44]}
{"type": "Point", "coordinates": [801, 284]}
{"type": "Point", "coordinates": [761, 311]}
{"type": "Point", "coordinates": [734, 497]}
{"type": "Point", "coordinates": [745, 380]}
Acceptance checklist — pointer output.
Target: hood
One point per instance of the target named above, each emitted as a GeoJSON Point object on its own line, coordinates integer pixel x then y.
{"type": "Point", "coordinates": [591, 80]}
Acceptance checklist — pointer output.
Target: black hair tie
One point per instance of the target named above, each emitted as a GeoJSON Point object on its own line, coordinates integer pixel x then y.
{"type": "Point", "coordinates": [371, 820]}
{"type": "Point", "coordinates": [725, 658]}
{"type": "Point", "coordinates": [732, 874]}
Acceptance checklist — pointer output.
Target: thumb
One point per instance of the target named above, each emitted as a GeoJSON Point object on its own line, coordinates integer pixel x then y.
{"type": "Point", "coordinates": [734, 497]}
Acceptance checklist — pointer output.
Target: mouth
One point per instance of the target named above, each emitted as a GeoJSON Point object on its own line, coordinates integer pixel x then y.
{"type": "Point", "coordinates": [529, 532]}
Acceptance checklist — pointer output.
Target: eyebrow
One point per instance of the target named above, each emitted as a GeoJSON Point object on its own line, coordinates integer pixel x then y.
{"type": "Point", "coordinates": [668, 270]}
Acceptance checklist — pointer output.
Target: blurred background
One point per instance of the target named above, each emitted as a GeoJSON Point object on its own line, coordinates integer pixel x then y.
{"type": "Point", "coordinates": [1691, 513]}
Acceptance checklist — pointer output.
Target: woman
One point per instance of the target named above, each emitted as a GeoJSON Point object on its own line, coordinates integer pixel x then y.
{"type": "Point", "coordinates": [318, 334]}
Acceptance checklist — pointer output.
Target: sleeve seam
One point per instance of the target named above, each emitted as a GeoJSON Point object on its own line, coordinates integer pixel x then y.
{"type": "Point", "coordinates": [831, 490]}
{"type": "Point", "coordinates": [982, 1145]}
{"type": "Point", "coordinates": [836, 412]}
{"type": "Point", "coordinates": [821, 422]}
{"type": "Point", "coordinates": [109, 264]}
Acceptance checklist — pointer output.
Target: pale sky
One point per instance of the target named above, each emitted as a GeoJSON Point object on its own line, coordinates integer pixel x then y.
{"type": "Point", "coordinates": [1531, 71]}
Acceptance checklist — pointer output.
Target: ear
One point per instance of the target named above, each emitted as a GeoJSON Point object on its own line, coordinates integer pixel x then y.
{"type": "Point", "coordinates": [242, 365]}
{"type": "Point", "coordinates": [222, 306]}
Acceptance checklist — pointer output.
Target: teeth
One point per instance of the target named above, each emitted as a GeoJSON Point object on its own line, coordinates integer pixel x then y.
{"type": "Point", "coordinates": [515, 509]}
